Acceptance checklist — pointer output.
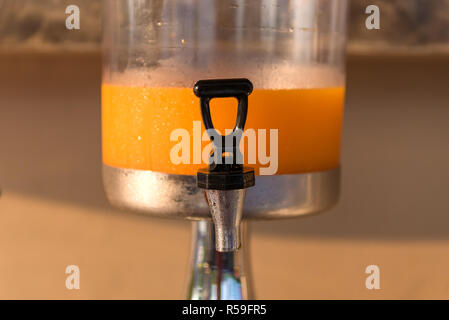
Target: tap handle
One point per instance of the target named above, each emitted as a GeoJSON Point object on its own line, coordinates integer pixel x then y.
{"type": "Point", "coordinates": [225, 171]}
{"type": "Point", "coordinates": [226, 148]}
{"type": "Point", "coordinates": [240, 89]}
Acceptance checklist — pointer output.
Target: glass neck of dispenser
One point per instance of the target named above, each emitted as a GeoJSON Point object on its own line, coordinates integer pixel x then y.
{"type": "Point", "coordinates": [217, 275]}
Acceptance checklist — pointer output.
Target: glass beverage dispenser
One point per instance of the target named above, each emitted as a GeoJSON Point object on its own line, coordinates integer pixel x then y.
{"type": "Point", "coordinates": [293, 53]}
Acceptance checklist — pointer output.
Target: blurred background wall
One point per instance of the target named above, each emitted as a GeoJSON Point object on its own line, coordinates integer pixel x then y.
{"type": "Point", "coordinates": [411, 26]}
{"type": "Point", "coordinates": [393, 211]}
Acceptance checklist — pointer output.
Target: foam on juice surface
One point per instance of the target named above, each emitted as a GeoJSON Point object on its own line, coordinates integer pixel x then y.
{"type": "Point", "coordinates": [263, 76]}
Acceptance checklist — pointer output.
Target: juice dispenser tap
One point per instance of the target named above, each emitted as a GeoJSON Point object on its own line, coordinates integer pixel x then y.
{"type": "Point", "coordinates": [154, 52]}
{"type": "Point", "coordinates": [226, 180]}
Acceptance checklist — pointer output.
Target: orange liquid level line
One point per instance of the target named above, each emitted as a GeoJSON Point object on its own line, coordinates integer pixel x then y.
{"type": "Point", "coordinates": [138, 121]}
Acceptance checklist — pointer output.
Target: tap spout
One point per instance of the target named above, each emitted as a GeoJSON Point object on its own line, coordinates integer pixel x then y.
{"type": "Point", "coordinates": [226, 207]}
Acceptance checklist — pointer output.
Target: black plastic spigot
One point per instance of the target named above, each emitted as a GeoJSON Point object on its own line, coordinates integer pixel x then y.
{"type": "Point", "coordinates": [226, 170]}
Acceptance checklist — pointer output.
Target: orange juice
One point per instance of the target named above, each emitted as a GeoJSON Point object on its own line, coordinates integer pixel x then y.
{"type": "Point", "coordinates": [138, 122]}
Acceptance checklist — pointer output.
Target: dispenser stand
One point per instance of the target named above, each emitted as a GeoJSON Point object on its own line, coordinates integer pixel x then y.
{"type": "Point", "coordinates": [217, 275]}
